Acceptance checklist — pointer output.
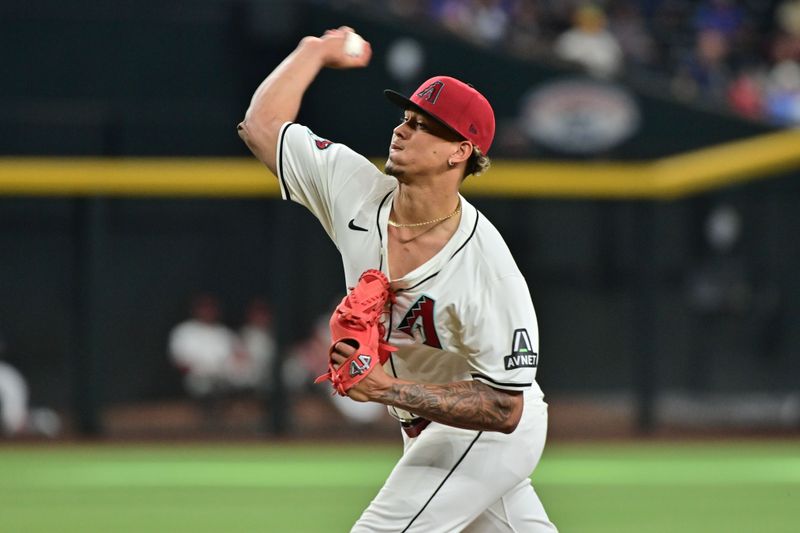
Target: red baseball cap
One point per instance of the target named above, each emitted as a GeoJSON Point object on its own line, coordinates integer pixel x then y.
{"type": "Point", "coordinates": [455, 104]}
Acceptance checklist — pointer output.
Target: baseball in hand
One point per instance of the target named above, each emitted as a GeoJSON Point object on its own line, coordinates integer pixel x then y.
{"type": "Point", "coordinates": [353, 44]}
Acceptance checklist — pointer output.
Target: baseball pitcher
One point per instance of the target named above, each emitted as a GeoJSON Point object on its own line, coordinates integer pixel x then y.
{"type": "Point", "coordinates": [438, 324]}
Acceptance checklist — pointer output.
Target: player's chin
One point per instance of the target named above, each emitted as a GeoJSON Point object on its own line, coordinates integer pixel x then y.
{"type": "Point", "coordinates": [392, 169]}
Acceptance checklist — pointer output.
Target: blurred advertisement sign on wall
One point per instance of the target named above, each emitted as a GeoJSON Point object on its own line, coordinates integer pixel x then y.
{"type": "Point", "coordinates": [579, 116]}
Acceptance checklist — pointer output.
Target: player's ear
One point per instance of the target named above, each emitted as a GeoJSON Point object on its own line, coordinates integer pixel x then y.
{"type": "Point", "coordinates": [462, 152]}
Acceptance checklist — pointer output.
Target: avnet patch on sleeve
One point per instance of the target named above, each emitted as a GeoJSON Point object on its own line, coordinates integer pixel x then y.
{"type": "Point", "coordinates": [522, 354]}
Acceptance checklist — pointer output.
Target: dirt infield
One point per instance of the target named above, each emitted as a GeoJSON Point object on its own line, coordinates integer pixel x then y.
{"type": "Point", "coordinates": [315, 417]}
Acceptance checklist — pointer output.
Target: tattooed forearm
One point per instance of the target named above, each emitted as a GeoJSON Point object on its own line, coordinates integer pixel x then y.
{"type": "Point", "coordinates": [465, 404]}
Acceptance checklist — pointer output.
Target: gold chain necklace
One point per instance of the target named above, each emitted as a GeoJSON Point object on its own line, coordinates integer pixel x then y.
{"type": "Point", "coordinates": [418, 224]}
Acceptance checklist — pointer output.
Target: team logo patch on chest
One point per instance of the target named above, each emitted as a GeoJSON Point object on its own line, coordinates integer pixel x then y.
{"type": "Point", "coordinates": [522, 354]}
{"type": "Point", "coordinates": [419, 323]}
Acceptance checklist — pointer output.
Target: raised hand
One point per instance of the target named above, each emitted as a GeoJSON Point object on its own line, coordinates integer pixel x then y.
{"type": "Point", "coordinates": [343, 48]}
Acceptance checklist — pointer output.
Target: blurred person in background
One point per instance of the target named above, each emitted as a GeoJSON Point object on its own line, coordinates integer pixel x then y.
{"type": "Point", "coordinates": [489, 21]}
{"type": "Point", "coordinates": [13, 399]}
{"type": "Point", "coordinates": [484, 22]}
{"type": "Point", "coordinates": [745, 93]}
{"type": "Point", "coordinates": [781, 88]}
{"type": "Point", "coordinates": [453, 15]}
{"type": "Point", "coordinates": [525, 37]}
{"type": "Point", "coordinates": [252, 371]}
{"type": "Point", "coordinates": [16, 417]}
{"type": "Point", "coordinates": [628, 27]}
{"type": "Point", "coordinates": [782, 93]}
{"type": "Point", "coordinates": [787, 17]}
{"type": "Point", "coordinates": [207, 353]}
{"type": "Point", "coordinates": [704, 72]}
{"type": "Point", "coordinates": [589, 43]}
{"type": "Point", "coordinates": [723, 16]}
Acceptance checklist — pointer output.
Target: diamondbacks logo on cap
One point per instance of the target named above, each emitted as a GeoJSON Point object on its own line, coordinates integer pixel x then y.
{"type": "Point", "coordinates": [522, 354]}
{"type": "Point", "coordinates": [431, 92]}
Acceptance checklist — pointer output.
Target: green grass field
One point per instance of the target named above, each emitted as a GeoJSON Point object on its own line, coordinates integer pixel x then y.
{"type": "Point", "coordinates": [587, 488]}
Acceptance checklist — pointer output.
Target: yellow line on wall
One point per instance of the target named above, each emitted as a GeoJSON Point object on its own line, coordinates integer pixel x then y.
{"type": "Point", "coordinates": [136, 177]}
{"type": "Point", "coordinates": [567, 179]}
{"type": "Point", "coordinates": [664, 178]}
{"type": "Point", "coordinates": [728, 163]}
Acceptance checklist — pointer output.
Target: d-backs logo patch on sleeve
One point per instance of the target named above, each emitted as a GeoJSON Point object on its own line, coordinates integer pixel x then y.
{"type": "Point", "coordinates": [522, 354]}
{"type": "Point", "coordinates": [322, 143]}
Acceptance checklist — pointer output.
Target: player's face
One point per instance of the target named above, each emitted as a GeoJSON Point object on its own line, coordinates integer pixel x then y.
{"type": "Point", "coordinates": [420, 145]}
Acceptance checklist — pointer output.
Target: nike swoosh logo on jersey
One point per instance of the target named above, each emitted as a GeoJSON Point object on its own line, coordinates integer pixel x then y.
{"type": "Point", "coordinates": [353, 226]}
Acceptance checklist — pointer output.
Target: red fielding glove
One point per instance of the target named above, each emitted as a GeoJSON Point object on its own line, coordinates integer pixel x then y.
{"type": "Point", "coordinates": [357, 322]}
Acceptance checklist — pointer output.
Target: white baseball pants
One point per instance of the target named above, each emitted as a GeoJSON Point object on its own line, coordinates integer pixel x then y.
{"type": "Point", "coordinates": [452, 480]}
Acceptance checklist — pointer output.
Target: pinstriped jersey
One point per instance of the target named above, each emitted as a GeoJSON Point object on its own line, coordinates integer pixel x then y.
{"type": "Point", "coordinates": [464, 314]}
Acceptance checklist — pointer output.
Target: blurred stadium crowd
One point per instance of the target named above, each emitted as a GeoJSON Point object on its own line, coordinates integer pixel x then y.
{"type": "Point", "coordinates": [743, 56]}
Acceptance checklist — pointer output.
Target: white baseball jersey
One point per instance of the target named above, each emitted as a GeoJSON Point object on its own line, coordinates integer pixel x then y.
{"type": "Point", "coordinates": [464, 314]}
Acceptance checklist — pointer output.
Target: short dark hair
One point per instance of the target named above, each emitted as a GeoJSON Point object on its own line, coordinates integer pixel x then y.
{"type": "Point", "coordinates": [477, 163]}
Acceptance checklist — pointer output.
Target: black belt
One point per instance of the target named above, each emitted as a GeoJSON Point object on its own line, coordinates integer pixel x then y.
{"type": "Point", "coordinates": [414, 427]}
